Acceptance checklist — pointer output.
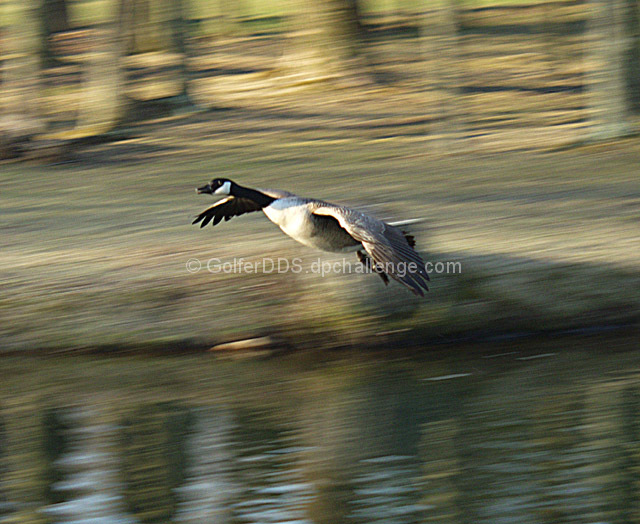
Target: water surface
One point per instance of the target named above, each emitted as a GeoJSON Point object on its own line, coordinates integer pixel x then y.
{"type": "Point", "coordinates": [538, 432]}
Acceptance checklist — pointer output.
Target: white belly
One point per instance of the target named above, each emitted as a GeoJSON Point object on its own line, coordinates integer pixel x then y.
{"type": "Point", "coordinates": [292, 216]}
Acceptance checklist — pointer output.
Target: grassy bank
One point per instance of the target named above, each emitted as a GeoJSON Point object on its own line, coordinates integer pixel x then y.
{"type": "Point", "coordinates": [94, 253]}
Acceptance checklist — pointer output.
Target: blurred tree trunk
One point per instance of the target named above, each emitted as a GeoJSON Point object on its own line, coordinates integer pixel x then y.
{"type": "Point", "coordinates": [22, 115]}
{"type": "Point", "coordinates": [632, 58]}
{"type": "Point", "coordinates": [612, 71]}
{"type": "Point", "coordinates": [171, 27]}
{"type": "Point", "coordinates": [55, 16]}
{"type": "Point", "coordinates": [329, 42]}
{"type": "Point", "coordinates": [442, 74]}
{"type": "Point", "coordinates": [55, 19]}
{"type": "Point", "coordinates": [141, 37]}
{"type": "Point", "coordinates": [179, 37]}
{"type": "Point", "coordinates": [141, 32]}
{"type": "Point", "coordinates": [103, 104]}
{"type": "Point", "coordinates": [217, 18]}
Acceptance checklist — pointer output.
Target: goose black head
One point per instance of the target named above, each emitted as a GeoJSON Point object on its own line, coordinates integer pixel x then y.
{"type": "Point", "coordinates": [218, 186]}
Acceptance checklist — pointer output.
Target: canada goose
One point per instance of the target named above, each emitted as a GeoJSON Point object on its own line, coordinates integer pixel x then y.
{"type": "Point", "coordinates": [324, 226]}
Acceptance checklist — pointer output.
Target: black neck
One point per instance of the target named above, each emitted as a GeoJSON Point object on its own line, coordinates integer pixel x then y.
{"type": "Point", "coordinates": [252, 194]}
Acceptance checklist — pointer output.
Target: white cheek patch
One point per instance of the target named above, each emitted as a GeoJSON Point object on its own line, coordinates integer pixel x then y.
{"type": "Point", "coordinates": [224, 189]}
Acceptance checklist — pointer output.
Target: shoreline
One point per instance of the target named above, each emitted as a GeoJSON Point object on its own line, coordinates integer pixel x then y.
{"type": "Point", "coordinates": [282, 346]}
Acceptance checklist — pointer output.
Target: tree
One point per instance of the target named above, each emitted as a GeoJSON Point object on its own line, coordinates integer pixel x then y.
{"type": "Point", "coordinates": [141, 37]}
{"type": "Point", "coordinates": [328, 42]}
{"type": "Point", "coordinates": [22, 116]}
{"type": "Point", "coordinates": [172, 28]}
{"type": "Point", "coordinates": [441, 55]}
{"type": "Point", "coordinates": [55, 19]}
{"type": "Point", "coordinates": [613, 68]}
{"type": "Point", "coordinates": [179, 30]}
{"type": "Point", "coordinates": [632, 54]}
{"type": "Point", "coordinates": [103, 104]}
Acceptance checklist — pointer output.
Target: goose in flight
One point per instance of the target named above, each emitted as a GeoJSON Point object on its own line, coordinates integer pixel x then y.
{"type": "Point", "coordinates": [381, 247]}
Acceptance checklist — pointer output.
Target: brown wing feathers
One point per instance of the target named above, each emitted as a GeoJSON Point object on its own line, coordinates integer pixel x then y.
{"type": "Point", "coordinates": [390, 248]}
{"type": "Point", "coordinates": [394, 259]}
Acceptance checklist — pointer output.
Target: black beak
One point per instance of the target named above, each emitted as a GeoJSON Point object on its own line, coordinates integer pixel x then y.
{"type": "Point", "coordinates": [205, 189]}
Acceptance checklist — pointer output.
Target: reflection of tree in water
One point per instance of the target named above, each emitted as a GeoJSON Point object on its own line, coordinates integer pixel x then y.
{"type": "Point", "coordinates": [56, 426]}
{"type": "Point", "coordinates": [4, 499]}
{"type": "Point", "coordinates": [567, 456]}
{"type": "Point", "coordinates": [631, 444]}
{"type": "Point", "coordinates": [362, 430]}
{"type": "Point", "coordinates": [210, 487]}
{"type": "Point", "coordinates": [32, 442]}
{"type": "Point", "coordinates": [611, 423]}
{"type": "Point", "coordinates": [559, 446]}
{"type": "Point", "coordinates": [270, 486]}
{"type": "Point", "coordinates": [89, 489]}
{"type": "Point", "coordinates": [586, 444]}
{"type": "Point", "coordinates": [366, 445]}
{"type": "Point", "coordinates": [153, 457]}
{"type": "Point", "coordinates": [440, 472]}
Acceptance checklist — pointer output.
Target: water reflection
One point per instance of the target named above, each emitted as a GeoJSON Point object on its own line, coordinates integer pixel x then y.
{"type": "Point", "coordinates": [210, 486]}
{"type": "Point", "coordinates": [512, 442]}
{"type": "Point", "coordinates": [89, 489]}
{"type": "Point", "coordinates": [362, 430]}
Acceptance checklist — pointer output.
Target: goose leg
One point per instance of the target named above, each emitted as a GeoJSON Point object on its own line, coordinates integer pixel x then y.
{"type": "Point", "coordinates": [365, 260]}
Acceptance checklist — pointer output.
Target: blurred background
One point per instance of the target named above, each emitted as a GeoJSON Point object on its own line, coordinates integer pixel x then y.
{"type": "Point", "coordinates": [509, 129]}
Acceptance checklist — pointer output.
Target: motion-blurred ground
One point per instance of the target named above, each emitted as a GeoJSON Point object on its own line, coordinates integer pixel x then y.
{"type": "Point", "coordinates": [96, 254]}
{"type": "Point", "coordinates": [94, 250]}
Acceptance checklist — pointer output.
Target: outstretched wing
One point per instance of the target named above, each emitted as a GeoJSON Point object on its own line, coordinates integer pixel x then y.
{"type": "Point", "coordinates": [226, 208]}
{"type": "Point", "coordinates": [385, 244]}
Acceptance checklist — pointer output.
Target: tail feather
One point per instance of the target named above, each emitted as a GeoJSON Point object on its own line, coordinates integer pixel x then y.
{"type": "Point", "coordinates": [411, 240]}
